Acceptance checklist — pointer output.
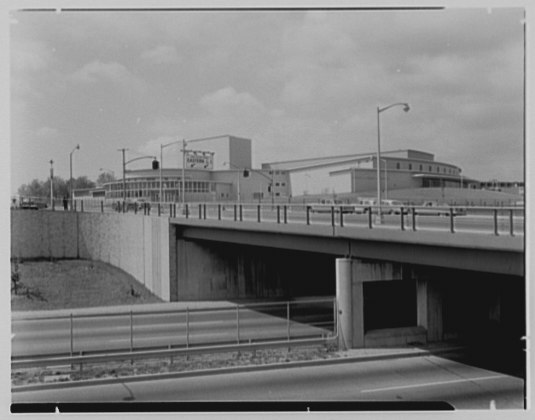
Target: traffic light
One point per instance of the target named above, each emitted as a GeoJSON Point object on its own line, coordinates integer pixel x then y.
{"type": "Point", "coordinates": [155, 164]}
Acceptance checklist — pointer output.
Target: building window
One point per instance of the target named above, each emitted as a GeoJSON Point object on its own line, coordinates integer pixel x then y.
{"type": "Point", "coordinates": [421, 168]}
{"type": "Point", "coordinates": [430, 168]}
{"type": "Point", "coordinates": [438, 169]}
{"type": "Point", "coordinates": [410, 166]}
{"type": "Point", "coordinates": [398, 166]}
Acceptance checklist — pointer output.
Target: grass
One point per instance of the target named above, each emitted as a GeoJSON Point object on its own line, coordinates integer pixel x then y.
{"type": "Point", "coordinates": [64, 284]}
{"type": "Point", "coordinates": [171, 365]}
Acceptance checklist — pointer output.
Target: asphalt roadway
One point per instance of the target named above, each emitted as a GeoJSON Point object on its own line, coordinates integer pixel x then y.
{"type": "Point", "coordinates": [36, 337]}
{"type": "Point", "coordinates": [415, 379]}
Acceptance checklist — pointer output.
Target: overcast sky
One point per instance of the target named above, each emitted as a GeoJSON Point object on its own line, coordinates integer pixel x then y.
{"type": "Point", "coordinates": [299, 84]}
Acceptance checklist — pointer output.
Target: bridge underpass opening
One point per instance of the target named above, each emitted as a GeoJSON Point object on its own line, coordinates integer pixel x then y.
{"type": "Point", "coordinates": [211, 270]}
{"type": "Point", "coordinates": [487, 313]}
{"type": "Point", "coordinates": [389, 304]}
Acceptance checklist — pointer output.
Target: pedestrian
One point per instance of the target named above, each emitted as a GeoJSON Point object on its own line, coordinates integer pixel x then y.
{"type": "Point", "coordinates": [65, 203]}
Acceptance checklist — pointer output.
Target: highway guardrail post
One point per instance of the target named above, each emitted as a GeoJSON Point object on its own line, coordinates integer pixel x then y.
{"type": "Point", "coordinates": [511, 225]}
{"type": "Point", "coordinates": [159, 209]}
{"type": "Point", "coordinates": [288, 318]}
{"type": "Point", "coordinates": [496, 222]}
{"type": "Point", "coordinates": [204, 211]}
{"type": "Point", "coordinates": [187, 327]}
{"type": "Point", "coordinates": [219, 212]}
{"type": "Point", "coordinates": [308, 215]}
{"type": "Point", "coordinates": [238, 324]}
{"type": "Point", "coordinates": [278, 213]}
{"type": "Point", "coordinates": [413, 219]}
{"type": "Point", "coordinates": [402, 212]}
{"type": "Point", "coordinates": [341, 217]}
{"type": "Point", "coordinates": [258, 212]}
{"type": "Point", "coordinates": [82, 206]}
{"type": "Point", "coordinates": [285, 214]}
{"type": "Point", "coordinates": [72, 334]}
{"type": "Point", "coordinates": [102, 206]}
{"type": "Point", "coordinates": [131, 334]}
{"type": "Point", "coordinates": [332, 216]}
{"type": "Point", "coordinates": [370, 216]}
{"type": "Point", "coordinates": [241, 212]}
{"type": "Point", "coordinates": [200, 211]}
{"type": "Point", "coordinates": [452, 222]}
{"type": "Point", "coordinates": [235, 212]}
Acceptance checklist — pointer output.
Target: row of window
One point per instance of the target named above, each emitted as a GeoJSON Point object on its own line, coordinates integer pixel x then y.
{"type": "Point", "coordinates": [191, 186]}
{"type": "Point", "coordinates": [445, 170]}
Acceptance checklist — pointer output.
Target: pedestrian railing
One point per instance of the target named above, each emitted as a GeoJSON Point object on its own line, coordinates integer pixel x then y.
{"type": "Point", "coordinates": [240, 324]}
{"type": "Point", "coordinates": [452, 219]}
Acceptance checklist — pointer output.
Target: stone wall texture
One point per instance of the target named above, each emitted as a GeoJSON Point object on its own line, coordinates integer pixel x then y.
{"type": "Point", "coordinates": [139, 245]}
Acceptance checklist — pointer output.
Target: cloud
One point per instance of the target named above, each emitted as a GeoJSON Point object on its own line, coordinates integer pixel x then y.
{"type": "Point", "coordinates": [46, 133]}
{"type": "Point", "coordinates": [163, 54]}
{"type": "Point", "coordinates": [228, 101]}
{"type": "Point", "coordinates": [114, 72]}
{"type": "Point", "coordinates": [27, 56]}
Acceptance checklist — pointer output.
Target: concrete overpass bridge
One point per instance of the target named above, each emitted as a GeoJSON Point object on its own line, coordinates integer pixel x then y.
{"type": "Point", "coordinates": [392, 286]}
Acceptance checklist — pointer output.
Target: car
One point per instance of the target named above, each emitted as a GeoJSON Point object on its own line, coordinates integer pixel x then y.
{"type": "Point", "coordinates": [326, 206]}
{"type": "Point", "coordinates": [391, 206]}
{"type": "Point", "coordinates": [28, 205]}
{"type": "Point", "coordinates": [434, 208]}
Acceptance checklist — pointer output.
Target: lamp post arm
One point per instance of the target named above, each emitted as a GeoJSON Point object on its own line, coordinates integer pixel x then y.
{"type": "Point", "coordinates": [403, 104]}
{"type": "Point", "coordinates": [139, 158]}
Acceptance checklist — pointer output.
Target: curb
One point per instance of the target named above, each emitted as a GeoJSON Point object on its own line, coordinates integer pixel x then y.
{"type": "Point", "coordinates": [234, 369]}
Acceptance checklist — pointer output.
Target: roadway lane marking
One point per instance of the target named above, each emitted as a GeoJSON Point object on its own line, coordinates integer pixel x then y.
{"type": "Point", "coordinates": [392, 388]}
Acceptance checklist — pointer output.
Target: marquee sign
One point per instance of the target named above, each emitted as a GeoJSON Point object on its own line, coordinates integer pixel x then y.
{"type": "Point", "coordinates": [196, 159]}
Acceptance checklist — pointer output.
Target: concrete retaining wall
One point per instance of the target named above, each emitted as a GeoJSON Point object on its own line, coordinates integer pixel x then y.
{"type": "Point", "coordinates": [137, 244]}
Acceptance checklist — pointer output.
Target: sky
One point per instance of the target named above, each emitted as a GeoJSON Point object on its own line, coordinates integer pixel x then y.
{"type": "Point", "coordinates": [303, 83]}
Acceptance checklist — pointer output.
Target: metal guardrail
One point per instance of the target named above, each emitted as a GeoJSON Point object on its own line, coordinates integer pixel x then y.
{"type": "Point", "coordinates": [493, 220]}
{"type": "Point", "coordinates": [502, 220]}
{"type": "Point", "coordinates": [290, 313]}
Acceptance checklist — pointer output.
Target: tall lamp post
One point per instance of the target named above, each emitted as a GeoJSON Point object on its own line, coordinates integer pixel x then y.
{"type": "Point", "coordinates": [126, 163]}
{"type": "Point", "coordinates": [406, 108]}
{"type": "Point", "coordinates": [51, 184]}
{"type": "Point", "coordinates": [163, 146]}
{"type": "Point", "coordinates": [184, 152]}
{"type": "Point", "coordinates": [238, 185]}
{"type": "Point", "coordinates": [70, 180]}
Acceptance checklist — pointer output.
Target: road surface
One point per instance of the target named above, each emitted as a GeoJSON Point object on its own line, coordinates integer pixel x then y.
{"type": "Point", "coordinates": [104, 333]}
{"type": "Point", "coordinates": [428, 378]}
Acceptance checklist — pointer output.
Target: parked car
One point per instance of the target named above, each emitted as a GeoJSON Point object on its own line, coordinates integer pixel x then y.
{"type": "Point", "coordinates": [391, 206]}
{"type": "Point", "coordinates": [387, 206]}
{"type": "Point", "coordinates": [326, 205]}
{"type": "Point", "coordinates": [434, 208]}
{"type": "Point", "coordinates": [27, 204]}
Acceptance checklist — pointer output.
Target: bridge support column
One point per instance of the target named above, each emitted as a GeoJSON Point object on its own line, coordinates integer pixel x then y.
{"type": "Point", "coordinates": [349, 295]}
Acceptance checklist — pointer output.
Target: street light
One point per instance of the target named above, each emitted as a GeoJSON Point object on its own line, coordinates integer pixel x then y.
{"type": "Point", "coordinates": [70, 183]}
{"type": "Point", "coordinates": [126, 163]}
{"type": "Point", "coordinates": [239, 170]}
{"type": "Point", "coordinates": [51, 184]}
{"type": "Point", "coordinates": [162, 146]}
{"type": "Point", "coordinates": [184, 152]}
{"type": "Point", "coordinates": [406, 108]}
